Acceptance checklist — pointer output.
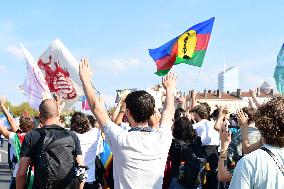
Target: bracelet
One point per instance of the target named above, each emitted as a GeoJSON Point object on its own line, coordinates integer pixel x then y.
{"type": "Point", "coordinates": [223, 157]}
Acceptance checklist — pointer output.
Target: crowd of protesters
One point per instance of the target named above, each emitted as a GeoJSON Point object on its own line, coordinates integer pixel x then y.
{"type": "Point", "coordinates": [179, 146]}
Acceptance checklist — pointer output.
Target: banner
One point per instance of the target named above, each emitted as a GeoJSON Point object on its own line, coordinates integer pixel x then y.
{"type": "Point", "coordinates": [61, 73]}
{"type": "Point", "coordinates": [35, 85]}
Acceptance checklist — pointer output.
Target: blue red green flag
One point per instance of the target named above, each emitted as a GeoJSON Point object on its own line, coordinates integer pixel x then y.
{"type": "Point", "coordinates": [189, 48]}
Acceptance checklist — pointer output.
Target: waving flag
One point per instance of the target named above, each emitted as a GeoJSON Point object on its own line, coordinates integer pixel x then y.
{"type": "Point", "coordinates": [279, 71]}
{"type": "Point", "coordinates": [35, 85]}
{"type": "Point", "coordinates": [190, 48]}
{"type": "Point", "coordinates": [61, 73]}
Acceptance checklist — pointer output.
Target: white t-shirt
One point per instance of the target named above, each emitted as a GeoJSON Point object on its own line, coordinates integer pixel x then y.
{"type": "Point", "coordinates": [15, 166]}
{"type": "Point", "coordinates": [258, 170]}
{"type": "Point", "coordinates": [90, 143]}
{"type": "Point", "coordinates": [139, 158]}
{"type": "Point", "coordinates": [205, 130]}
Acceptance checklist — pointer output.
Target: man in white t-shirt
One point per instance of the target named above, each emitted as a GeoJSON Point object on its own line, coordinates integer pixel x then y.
{"type": "Point", "coordinates": [210, 141]}
{"type": "Point", "coordinates": [139, 155]}
{"type": "Point", "coordinates": [258, 169]}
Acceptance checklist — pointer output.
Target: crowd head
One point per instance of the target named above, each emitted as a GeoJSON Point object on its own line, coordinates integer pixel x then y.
{"type": "Point", "coordinates": [269, 119]}
{"type": "Point", "coordinates": [26, 124]}
{"type": "Point", "coordinates": [80, 123]}
{"type": "Point", "coordinates": [140, 105]}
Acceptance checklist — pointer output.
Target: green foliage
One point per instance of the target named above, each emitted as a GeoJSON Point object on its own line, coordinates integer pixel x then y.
{"type": "Point", "coordinates": [20, 109]}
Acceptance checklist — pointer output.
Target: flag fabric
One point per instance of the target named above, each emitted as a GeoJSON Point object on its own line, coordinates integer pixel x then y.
{"type": "Point", "coordinates": [279, 71]}
{"type": "Point", "coordinates": [106, 156]}
{"type": "Point", "coordinates": [35, 85]}
{"type": "Point", "coordinates": [85, 105]}
{"type": "Point", "coordinates": [189, 48]}
{"type": "Point", "coordinates": [4, 122]}
{"type": "Point", "coordinates": [17, 141]}
{"type": "Point", "coordinates": [61, 73]}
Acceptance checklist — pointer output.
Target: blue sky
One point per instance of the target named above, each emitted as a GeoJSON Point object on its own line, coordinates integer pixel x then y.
{"type": "Point", "coordinates": [115, 35]}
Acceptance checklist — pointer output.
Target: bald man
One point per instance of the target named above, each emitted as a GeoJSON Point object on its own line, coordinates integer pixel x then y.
{"type": "Point", "coordinates": [44, 146]}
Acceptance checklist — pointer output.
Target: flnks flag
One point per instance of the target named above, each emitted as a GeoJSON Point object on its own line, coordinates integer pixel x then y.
{"type": "Point", "coordinates": [61, 73]}
{"type": "Point", "coordinates": [35, 85]}
{"type": "Point", "coordinates": [279, 71]}
{"type": "Point", "coordinates": [189, 48]}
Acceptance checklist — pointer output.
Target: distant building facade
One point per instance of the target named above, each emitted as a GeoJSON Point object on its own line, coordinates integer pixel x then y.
{"type": "Point", "coordinates": [228, 80]}
{"type": "Point", "coordinates": [233, 100]}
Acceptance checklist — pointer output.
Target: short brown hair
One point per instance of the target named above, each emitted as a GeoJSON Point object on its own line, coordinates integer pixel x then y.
{"type": "Point", "coordinates": [269, 119]}
{"type": "Point", "coordinates": [26, 124]}
{"type": "Point", "coordinates": [80, 123]}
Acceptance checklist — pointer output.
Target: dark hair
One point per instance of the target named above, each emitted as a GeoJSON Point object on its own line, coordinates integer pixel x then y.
{"type": "Point", "coordinates": [183, 130]}
{"type": "Point", "coordinates": [214, 114]}
{"type": "Point", "coordinates": [202, 111]}
{"type": "Point", "coordinates": [180, 112]}
{"type": "Point", "coordinates": [26, 124]}
{"type": "Point", "coordinates": [141, 105]}
{"type": "Point", "coordinates": [92, 120]}
{"type": "Point", "coordinates": [269, 119]}
{"type": "Point", "coordinates": [207, 107]}
{"type": "Point", "coordinates": [251, 114]}
{"type": "Point", "coordinates": [80, 123]}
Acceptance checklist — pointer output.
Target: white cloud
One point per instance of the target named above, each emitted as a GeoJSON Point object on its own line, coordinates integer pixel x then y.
{"type": "Point", "coordinates": [15, 51]}
{"type": "Point", "coordinates": [118, 65]}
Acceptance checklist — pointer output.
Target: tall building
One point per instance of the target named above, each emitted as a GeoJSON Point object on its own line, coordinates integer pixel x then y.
{"type": "Point", "coordinates": [228, 80]}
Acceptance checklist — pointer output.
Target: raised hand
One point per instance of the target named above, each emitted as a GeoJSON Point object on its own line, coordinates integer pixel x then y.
{"type": "Point", "coordinates": [242, 118]}
{"type": "Point", "coordinates": [85, 70]}
{"type": "Point", "coordinates": [225, 137]}
{"type": "Point", "coordinates": [169, 82]}
{"type": "Point", "coordinates": [252, 92]}
{"type": "Point", "coordinates": [223, 111]}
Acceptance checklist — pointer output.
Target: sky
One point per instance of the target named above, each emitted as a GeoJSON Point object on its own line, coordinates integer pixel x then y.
{"type": "Point", "coordinates": [116, 36]}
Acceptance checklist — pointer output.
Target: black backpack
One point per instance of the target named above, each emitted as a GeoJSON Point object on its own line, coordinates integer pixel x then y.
{"type": "Point", "coordinates": [54, 165]}
{"type": "Point", "coordinates": [192, 171]}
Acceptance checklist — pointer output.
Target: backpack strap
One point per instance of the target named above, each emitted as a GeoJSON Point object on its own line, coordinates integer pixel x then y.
{"type": "Point", "coordinates": [278, 163]}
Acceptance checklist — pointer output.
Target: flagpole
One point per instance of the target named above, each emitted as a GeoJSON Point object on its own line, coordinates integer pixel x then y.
{"type": "Point", "coordinates": [197, 79]}
{"type": "Point", "coordinates": [98, 93]}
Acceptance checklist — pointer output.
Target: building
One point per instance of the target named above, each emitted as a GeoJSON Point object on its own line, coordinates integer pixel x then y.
{"type": "Point", "coordinates": [228, 80]}
{"type": "Point", "coordinates": [233, 100]}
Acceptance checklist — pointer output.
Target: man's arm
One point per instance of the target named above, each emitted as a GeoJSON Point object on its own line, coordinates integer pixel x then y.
{"type": "Point", "coordinates": [223, 174]}
{"type": "Point", "coordinates": [4, 131]}
{"type": "Point", "coordinates": [22, 172]}
{"type": "Point", "coordinates": [222, 114]}
{"type": "Point", "coordinates": [253, 96]}
{"type": "Point", "coordinates": [169, 83]}
{"type": "Point", "coordinates": [96, 107]}
{"type": "Point", "coordinates": [243, 121]}
{"type": "Point", "coordinates": [193, 99]}
{"type": "Point", "coordinates": [13, 123]}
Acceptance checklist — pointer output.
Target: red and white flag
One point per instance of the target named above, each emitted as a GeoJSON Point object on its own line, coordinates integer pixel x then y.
{"type": "Point", "coordinates": [35, 86]}
{"type": "Point", "coordinates": [60, 70]}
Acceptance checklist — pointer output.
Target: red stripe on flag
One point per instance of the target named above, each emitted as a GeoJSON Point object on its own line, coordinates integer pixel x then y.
{"type": "Point", "coordinates": [167, 62]}
{"type": "Point", "coordinates": [202, 41]}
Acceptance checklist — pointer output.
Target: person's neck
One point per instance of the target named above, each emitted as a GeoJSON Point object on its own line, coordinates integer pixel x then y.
{"type": "Point", "coordinates": [51, 122]}
{"type": "Point", "coordinates": [135, 124]}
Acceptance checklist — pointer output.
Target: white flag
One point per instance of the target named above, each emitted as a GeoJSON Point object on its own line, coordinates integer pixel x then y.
{"type": "Point", "coordinates": [34, 86]}
{"type": "Point", "coordinates": [61, 73]}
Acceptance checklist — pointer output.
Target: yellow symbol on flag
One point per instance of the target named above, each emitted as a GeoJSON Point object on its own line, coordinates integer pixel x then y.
{"type": "Point", "coordinates": [187, 44]}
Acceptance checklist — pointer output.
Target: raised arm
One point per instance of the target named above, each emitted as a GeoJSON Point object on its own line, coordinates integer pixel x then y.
{"type": "Point", "coordinates": [253, 96]}
{"type": "Point", "coordinates": [243, 121]}
{"type": "Point", "coordinates": [169, 83]}
{"type": "Point", "coordinates": [193, 99]}
{"type": "Point", "coordinates": [223, 174]}
{"type": "Point", "coordinates": [12, 122]}
{"type": "Point", "coordinates": [122, 110]}
{"type": "Point", "coordinates": [96, 107]}
{"type": "Point", "coordinates": [223, 111]}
